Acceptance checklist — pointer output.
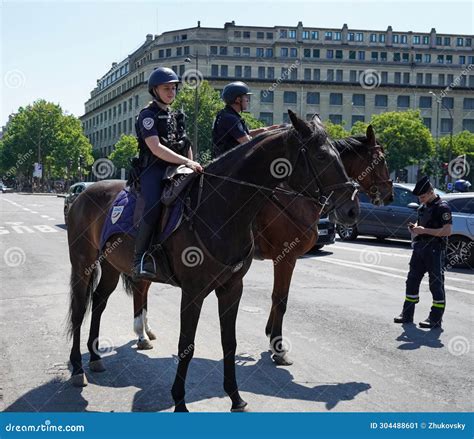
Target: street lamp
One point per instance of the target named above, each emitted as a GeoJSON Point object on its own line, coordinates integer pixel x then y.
{"type": "Point", "coordinates": [196, 105]}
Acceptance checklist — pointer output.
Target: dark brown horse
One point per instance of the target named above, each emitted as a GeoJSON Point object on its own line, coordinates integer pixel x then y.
{"type": "Point", "coordinates": [286, 228]}
{"type": "Point", "coordinates": [211, 251]}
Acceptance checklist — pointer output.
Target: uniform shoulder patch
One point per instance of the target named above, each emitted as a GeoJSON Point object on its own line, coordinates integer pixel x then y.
{"type": "Point", "coordinates": [148, 123]}
{"type": "Point", "coordinates": [447, 216]}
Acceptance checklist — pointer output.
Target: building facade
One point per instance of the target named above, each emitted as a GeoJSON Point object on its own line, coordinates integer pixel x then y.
{"type": "Point", "coordinates": [345, 75]}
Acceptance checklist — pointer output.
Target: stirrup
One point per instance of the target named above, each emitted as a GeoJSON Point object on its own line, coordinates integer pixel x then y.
{"type": "Point", "coordinates": [142, 262]}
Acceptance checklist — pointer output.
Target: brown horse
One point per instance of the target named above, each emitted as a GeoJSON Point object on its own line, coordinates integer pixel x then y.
{"type": "Point", "coordinates": [213, 247]}
{"type": "Point", "coordinates": [286, 228]}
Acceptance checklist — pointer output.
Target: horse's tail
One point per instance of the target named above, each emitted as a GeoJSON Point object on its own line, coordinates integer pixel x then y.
{"type": "Point", "coordinates": [127, 284]}
{"type": "Point", "coordinates": [77, 298]}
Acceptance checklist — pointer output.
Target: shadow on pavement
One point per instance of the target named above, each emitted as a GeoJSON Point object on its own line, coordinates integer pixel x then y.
{"type": "Point", "coordinates": [414, 337]}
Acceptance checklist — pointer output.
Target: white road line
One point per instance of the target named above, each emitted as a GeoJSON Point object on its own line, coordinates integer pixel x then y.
{"type": "Point", "coordinates": [44, 216]}
{"type": "Point", "coordinates": [372, 250]}
{"type": "Point", "coordinates": [370, 270]}
{"type": "Point", "coordinates": [453, 279]}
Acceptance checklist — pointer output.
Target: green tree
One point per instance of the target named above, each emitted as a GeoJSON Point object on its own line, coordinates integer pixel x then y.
{"type": "Point", "coordinates": [125, 149]}
{"type": "Point", "coordinates": [42, 132]}
{"type": "Point", "coordinates": [335, 131]}
{"type": "Point", "coordinates": [406, 139]}
{"type": "Point", "coordinates": [463, 143]}
{"type": "Point", "coordinates": [359, 128]}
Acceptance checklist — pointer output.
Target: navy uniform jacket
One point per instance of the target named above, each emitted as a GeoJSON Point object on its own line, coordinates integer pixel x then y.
{"type": "Point", "coordinates": [228, 127]}
{"type": "Point", "coordinates": [433, 216]}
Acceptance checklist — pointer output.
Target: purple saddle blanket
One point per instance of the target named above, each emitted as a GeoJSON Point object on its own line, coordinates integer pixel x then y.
{"type": "Point", "coordinates": [120, 218]}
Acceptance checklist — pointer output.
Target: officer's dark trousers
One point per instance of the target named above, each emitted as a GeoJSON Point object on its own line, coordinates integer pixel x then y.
{"type": "Point", "coordinates": [426, 257]}
{"type": "Point", "coordinates": [151, 184]}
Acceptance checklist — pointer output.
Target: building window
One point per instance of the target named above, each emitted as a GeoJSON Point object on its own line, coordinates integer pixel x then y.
{"type": "Point", "coordinates": [427, 122]}
{"type": "Point", "coordinates": [339, 75]}
{"type": "Point", "coordinates": [161, 54]}
{"type": "Point", "coordinates": [446, 125]}
{"type": "Point", "coordinates": [337, 36]}
{"type": "Point", "coordinates": [329, 54]}
{"type": "Point", "coordinates": [357, 118]}
{"type": "Point", "coordinates": [214, 70]}
{"type": "Point", "coordinates": [358, 100]}
{"type": "Point", "coordinates": [307, 74]}
{"type": "Point", "coordinates": [315, 53]}
{"type": "Point", "coordinates": [339, 54]}
{"type": "Point", "coordinates": [353, 76]}
{"type": "Point", "coordinates": [330, 75]}
{"type": "Point", "coordinates": [312, 98]}
{"type": "Point", "coordinates": [168, 53]}
{"type": "Point", "coordinates": [284, 52]}
{"type": "Point", "coordinates": [283, 33]}
{"type": "Point", "coordinates": [236, 51]}
{"type": "Point", "coordinates": [328, 36]}
{"type": "Point", "coordinates": [361, 55]}
{"type": "Point", "coordinates": [261, 73]}
{"type": "Point", "coordinates": [179, 51]}
{"type": "Point", "coordinates": [373, 38]}
{"type": "Point", "coordinates": [293, 52]}
{"type": "Point", "coordinates": [260, 52]}
{"type": "Point", "coordinates": [305, 35]}
{"type": "Point", "coordinates": [335, 98]}
{"type": "Point", "coordinates": [269, 35]}
{"type": "Point", "coordinates": [447, 102]}
{"type": "Point", "coordinates": [213, 50]}
{"type": "Point", "coordinates": [381, 100]}
{"type": "Point", "coordinates": [223, 50]}
{"type": "Point", "coordinates": [374, 56]}
{"type": "Point", "coordinates": [270, 72]}
{"type": "Point", "coordinates": [237, 34]}
{"type": "Point", "coordinates": [316, 75]}
{"type": "Point", "coordinates": [381, 38]}
{"type": "Point", "coordinates": [238, 72]}
{"type": "Point", "coordinates": [266, 96]}
{"type": "Point", "coordinates": [336, 118]}
{"type": "Point", "coordinates": [269, 53]}
{"type": "Point", "coordinates": [397, 78]}
{"type": "Point", "coordinates": [224, 71]}
{"type": "Point", "coordinates": [462, 59]}
{"type": "Point", "coordinates": [441, 79]}
{"type": "Point", "coordinates": [260, 35]}
{"type": "Point", "coordinates": [406, 78]}
{"type": "Point", "coordinates": [419, 78]}
{"type": "Point", "coordinates": [359, 36]}
{"type": "Point", "coordinates": [468, 125]}
{"type": "Point", "coordinates": [289, 97]}
{"type": "Point", "coordinates": [247, 71]}
{"type": "Point", "coordinates": [403, 101]}
{"type": "Point", "coordinates": [468, 104]}
{"type": "Point", "coordinates": [425, 101]}
{"type": "Point", "coordinates": [428, 78]}
{"type": "Point", "coordinates": [246, 51]}
{"type": "Point", "coordinates": [352, 54]}
{"type": "Point", "coordinates": [292, 34]}
{"type": "Point", "coordinates": [246, 34]}
{"type": "Point", "coordinates": [351, 36]}
{"type": "Point", "coordinates": [416, 39]}
{"type": "Point", "coordinates": [266, 118]}
{"type": "Point", "coordinates": [440, 59]}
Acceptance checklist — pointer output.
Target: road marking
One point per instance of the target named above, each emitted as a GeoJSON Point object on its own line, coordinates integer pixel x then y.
{"type": "Point", "coordinates": [347, 264]}
{"type": "Point", "coordinates": [371, 249]}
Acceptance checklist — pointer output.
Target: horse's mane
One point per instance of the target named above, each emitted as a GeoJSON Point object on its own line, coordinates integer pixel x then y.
{"type": "Point", "coordinates": [352, 144]}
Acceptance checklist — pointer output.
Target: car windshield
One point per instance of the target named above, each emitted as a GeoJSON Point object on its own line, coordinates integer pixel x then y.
{"type": "Point", "coordinates": [462, 205]}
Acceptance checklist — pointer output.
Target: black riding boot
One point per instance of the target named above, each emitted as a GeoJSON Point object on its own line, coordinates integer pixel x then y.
{"type": "Point", "coordinates": [143, 262]}
{"type": "Point", "coordinates": [407, 313]}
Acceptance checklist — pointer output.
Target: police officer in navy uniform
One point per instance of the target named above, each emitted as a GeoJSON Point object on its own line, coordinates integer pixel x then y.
{"type": "Point", "coordinates": [429, 247]}
{"type": "Point", "coordinates": [229, 129]}
{"type": "Point", "coordinates": [162, 142]}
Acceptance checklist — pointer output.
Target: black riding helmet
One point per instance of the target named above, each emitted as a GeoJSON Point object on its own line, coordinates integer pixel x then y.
{"type": "Point", "coordinates": [233, 90]}
{"type": "Point", "coordinates": [162, 75]}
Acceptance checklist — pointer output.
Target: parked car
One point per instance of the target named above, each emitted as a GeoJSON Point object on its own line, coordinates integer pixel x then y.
{"type": "Point", "coordinates": [326, 233]}
{"type": "Point", "coordinates": [391, 221]}
{"type": "Point", "coordinates": [72, 194]}
{"type": "Point", "coordinates": [4, 188]}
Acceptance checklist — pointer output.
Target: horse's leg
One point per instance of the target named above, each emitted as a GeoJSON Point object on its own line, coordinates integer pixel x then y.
{"type": "Point", "coordinates": [108, 283]}
{"type": "Point", "coordinates": [229, 299]}
{"type": "Point", "coordinates": [81, 289]}
{"type": "Point", "coordinates": [283, 271]}
{"type": "Point", "coordinates": [140, 321]}
{"type": "Point", "coordinates": [190, 311]}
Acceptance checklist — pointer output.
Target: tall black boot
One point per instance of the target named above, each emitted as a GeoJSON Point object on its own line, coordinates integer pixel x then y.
{"type": "Point", "coordinates": [407, 313]}
{"type": "Point", "coordinates": [143, 262]}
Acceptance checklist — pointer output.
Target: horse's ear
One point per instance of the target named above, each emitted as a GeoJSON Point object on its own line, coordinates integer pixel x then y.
{"type": "Point", "coordinates": [300, 125]}
{"type": "Point", "coordinates": [370, 134]}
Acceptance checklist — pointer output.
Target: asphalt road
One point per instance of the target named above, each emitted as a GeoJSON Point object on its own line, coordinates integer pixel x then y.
{"type": "Point", "coordinates": [348, 355]}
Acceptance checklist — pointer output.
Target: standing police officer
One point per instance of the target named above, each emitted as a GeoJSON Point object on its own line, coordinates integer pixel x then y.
{"type": "Point", "coordinates": [229, 127]}
{"type": "Point", "coordinates": [162, 142]}
{"type": "Point", "coordinates": [429, 247]}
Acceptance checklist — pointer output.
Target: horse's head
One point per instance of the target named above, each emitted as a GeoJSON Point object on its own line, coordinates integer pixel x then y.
{"type": "Point", "coordinates": [318, 171]}
{"type": "Point", "coordinates": [364, 160]}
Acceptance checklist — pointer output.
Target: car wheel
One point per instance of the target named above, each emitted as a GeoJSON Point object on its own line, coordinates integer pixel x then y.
{"type": "Point", "coordinates": [347, 233]}
{"type": "Point", "coordinates": [460, 252]}
{"type": "Point", "coordinates": [65, 216]}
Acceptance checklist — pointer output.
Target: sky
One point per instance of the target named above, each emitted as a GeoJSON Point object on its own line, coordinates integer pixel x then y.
{"type": "Point", "coordinates": [57, 50]}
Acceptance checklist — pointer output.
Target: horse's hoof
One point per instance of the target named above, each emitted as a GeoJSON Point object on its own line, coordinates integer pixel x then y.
{"type": "Point", "coordinates": [282, 360]}
{"type": "Point", "coordinates": [239, 407]}
{"type": "Point", "coordinates": [79, 380]}
{"type": "Point", "coordinates": [96, 366]}
{"type": "Point", "coordinates": [151, 335]}
{"type": "Point", "coordinates": [181, 408]}
{"type": "Point", "coordinates": [144, 344]}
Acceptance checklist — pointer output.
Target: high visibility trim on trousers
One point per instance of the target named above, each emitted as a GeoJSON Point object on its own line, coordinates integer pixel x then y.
{"type": "Point", "coordinates": [408, 299]}
{"type": "Point", "coordinates": [415, 296]}
{"type": "Point", "coordinates": [438, 305]}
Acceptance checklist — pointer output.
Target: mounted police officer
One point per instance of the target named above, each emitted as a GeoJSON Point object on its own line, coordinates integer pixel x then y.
{"type": "Point", "coordinates": [162, 142]}
{"type": "Point", "coordinates": [429, 247]}
{"type": "Point", "coordinates": [229, 127]}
